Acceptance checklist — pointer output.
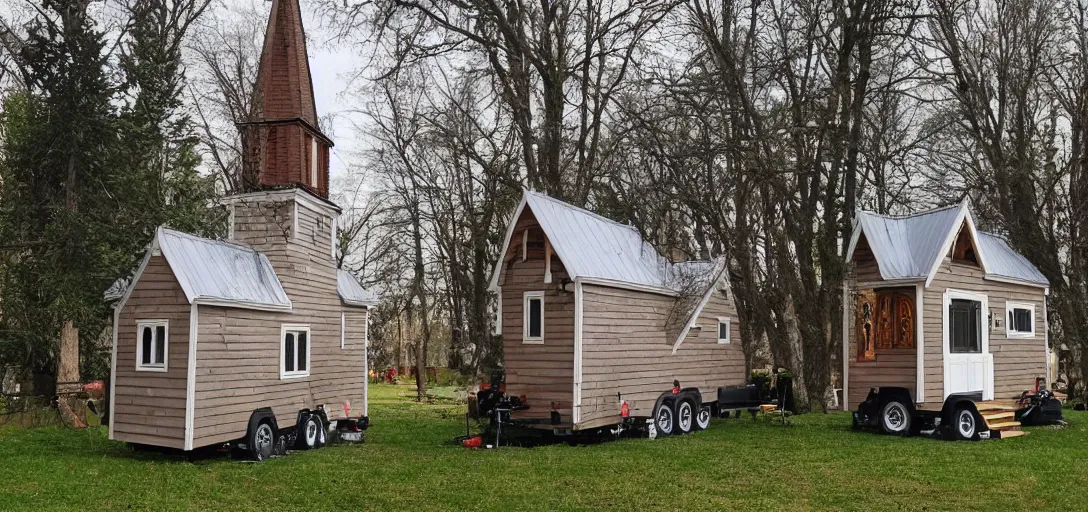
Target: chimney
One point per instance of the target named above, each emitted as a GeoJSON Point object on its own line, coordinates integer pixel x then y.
{"type": "Point", "coordinates": [283, 146]}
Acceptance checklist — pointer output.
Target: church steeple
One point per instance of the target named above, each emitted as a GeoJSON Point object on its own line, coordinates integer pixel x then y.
{"type": "Point", "coordinates": [283, 145]}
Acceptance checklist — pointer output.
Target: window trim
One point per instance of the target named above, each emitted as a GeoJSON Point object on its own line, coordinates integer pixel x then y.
{"type": "Point", "coordinates": [728, 331]}
{"type": "Point", "coordinates": [525, 338]}
{"type": "Point", "coordinates": [1009, 327]}
{"type": "Point", "coordinates": [153, 367]}
{"type": "Point", "coordinates": [284, 328]}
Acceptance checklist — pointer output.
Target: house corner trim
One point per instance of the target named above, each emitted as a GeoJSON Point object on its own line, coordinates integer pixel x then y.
{"type": "Point", "coordinates": [576, 405]}
{"type": "Point", "coordinates": [190, 379]}
{"type": "Point", "coordinates": [920, 343]}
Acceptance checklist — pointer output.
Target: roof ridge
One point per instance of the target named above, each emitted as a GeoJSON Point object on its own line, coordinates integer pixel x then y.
{"type": "Point", "coordinates": [912, 215]}
{"type": "Point", "coordinates": [580, 209]}
{"type": "Point", "coordinates": [219, 241]}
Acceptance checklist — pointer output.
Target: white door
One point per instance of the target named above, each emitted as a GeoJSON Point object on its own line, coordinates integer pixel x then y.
{"type": "Point", "coordinates": [968, 364]}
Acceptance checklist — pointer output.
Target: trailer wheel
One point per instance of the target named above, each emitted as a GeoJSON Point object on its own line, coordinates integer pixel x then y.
{"type": "Point", "coordinates": [965, 424]}
{"type": "Point", "coordinates": [685, 415]}
{"type": "Point", "coordinates": [895, 418]}
{"type": "Point", "coordinates": [261, 442]}
{"type": "Point", "coordinates": [702, 420]}
{"type": "Point", "coordinates": [664, 419]}
{"type": "Point", "coordinates": [311, 429]}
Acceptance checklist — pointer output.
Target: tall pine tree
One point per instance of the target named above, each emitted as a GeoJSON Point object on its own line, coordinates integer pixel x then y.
{"type": "Point", "coordinates": [95, 155]}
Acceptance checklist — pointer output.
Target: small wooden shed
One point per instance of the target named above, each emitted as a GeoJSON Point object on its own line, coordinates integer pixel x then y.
{"type": "Point", "coordinates": [937, 307]}
{"type": "Point", "coordinates": [592, 315]}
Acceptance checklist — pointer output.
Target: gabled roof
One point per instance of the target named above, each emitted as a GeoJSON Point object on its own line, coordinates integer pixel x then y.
{"type": "Point", "coordinates": [912, 247]}
{"type": "Point", "coordinates": [607, 252]}
{"type": "Point", "coordinates": [216, 272]}
{"type": "Point", "coordinates": [222, 273]}
{"type": "Point", "coordinates": [591, 245]}
{"type": "Point", "coordinates": [353, 293]}
{"type": "Point", "coordinates": [1003, 261]}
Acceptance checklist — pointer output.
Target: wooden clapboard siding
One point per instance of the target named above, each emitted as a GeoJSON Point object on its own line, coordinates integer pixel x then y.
{"type": "Point", "coordinates": [627, 355]}
{"type": "Point", "coordinates": [892, 367]}
{"type": "Point", "coordinates": [544, 373]}
{"type": "Point", "coordinates": [1016, 361]}
{"type": "Point", "coordinates": [866, 268]}
{"type": "Point", "coordinates": [149, 407]}
{"type": "Point", "coordinates": [355, 326]}
{"type": "Point", "coordinates": [238, 350]}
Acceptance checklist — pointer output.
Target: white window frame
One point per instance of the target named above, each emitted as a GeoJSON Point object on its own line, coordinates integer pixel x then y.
{"type": "Point", "coordinates": [284, 329]}
{"type": "Point", "coordinates": [525, 338]}
{"type": "Point", "coordinates": [728, 331]}
{"type": "Point", "coordinates": [1009, 326]}
{"type": "Point", "coordinates": [152, 367]}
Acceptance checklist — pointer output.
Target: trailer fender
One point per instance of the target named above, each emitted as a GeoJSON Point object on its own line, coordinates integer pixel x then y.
{"type": "Point", "coordinates": [953, 402]}
{"type": "Point", "coordinates": [264, 413]}
{"type": "Point", "coordinates": [694, 394]}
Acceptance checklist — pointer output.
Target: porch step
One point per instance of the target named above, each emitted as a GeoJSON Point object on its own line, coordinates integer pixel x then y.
{"type": "Point", "coordinates": [1006, 426]}
{"type": "Point", "coordinates": [985, 407]}
{"type": "Point", "coordinates": [1006, 434]}
{"type": "Point", "coordinates": [998, 417]}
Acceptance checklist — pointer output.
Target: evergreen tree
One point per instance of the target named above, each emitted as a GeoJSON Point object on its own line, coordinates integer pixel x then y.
{"type": "Point", "coordinates": [95, 155]}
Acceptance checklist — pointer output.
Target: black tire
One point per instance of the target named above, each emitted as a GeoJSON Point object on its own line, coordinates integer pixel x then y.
{"type": "Point", "coordinates": [854, 425]}
{"type": "Point", "coordinates": [261, 441]}
{"type": "Point", "coordinates": [685, 416]}
{"type": "Point", "coordinates": [896, 418]}
{"type": "Point", "coordinates": [965, 424]}
{"type": "Point", "coordinates": [308, 432]}
{"type": "Point", "coordinates": [665, 418]}
{"type": "Point", "coordinates": [702, 420]}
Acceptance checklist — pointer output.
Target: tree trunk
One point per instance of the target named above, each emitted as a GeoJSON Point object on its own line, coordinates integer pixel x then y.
{"type": "Point", "coordinates": [72, 410]}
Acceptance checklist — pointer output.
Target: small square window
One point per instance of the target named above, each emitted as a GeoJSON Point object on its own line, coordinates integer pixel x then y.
{"type": "Point", "coordinates": [294, 351]}
{"type": "Point", "coordinates": [723, 330]}
{"type": "Point", "coordinates": [533, 328]}
{"type": "Point", "coordinates": [1020, 320]}
{"type": "Point", "coordinates": [152, 345]}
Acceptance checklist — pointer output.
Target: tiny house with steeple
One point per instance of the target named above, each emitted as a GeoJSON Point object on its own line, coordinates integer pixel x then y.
{"type": "Point", "coordinates": [257, 339]}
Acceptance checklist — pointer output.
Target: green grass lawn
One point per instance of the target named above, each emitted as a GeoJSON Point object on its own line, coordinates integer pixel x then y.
{"type": "Point", "coordinates": [818, 463]}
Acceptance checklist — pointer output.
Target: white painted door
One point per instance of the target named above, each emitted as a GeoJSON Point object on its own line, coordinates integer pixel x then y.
{"type": "Point", "coordinates": [968, 364]}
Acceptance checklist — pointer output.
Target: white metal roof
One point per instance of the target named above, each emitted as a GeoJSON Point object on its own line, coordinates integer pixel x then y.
{"type": "Point", "coordinates": [594, 247]}
{"type": "Point", "coordinates": [353, 293]}
{"type": "Point", "coordinates": [591, 245]}
{"type": "Point", "coordinates": [912, 247]}
{"type": "Point", "coordinates": [1003, 261]}
{"type": "Point", "coordinates": [218, 271]}
{"type": "Point", "coordinates": [906, 247]}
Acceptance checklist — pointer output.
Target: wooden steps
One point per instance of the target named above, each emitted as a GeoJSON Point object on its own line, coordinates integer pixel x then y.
{"type": "Point", "coordinates": [985, 407]}
{"type": "Point", "coordinates": [999, 417]}
{"type": "Point", "coordinates": [1009, 434]}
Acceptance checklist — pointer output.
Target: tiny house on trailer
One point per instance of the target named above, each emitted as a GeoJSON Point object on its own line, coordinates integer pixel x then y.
{"type": "Point", "coordinates": [944, 325]}
{"type": "Point", "coordinates": [257, 339]}
{"type": "Point", "coordinates": [598, 327]}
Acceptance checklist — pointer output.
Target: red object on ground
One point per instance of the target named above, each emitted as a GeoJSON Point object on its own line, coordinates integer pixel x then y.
{"type": "Point", "coordinates": [94, 386]}
{"type": "Point", "coordinates": [625, 411]}
{"type": "Point", "coordinates": [473, 442]}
